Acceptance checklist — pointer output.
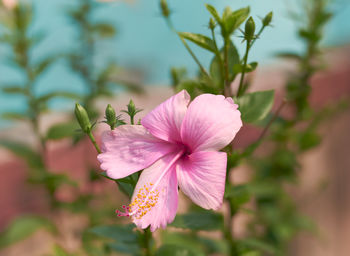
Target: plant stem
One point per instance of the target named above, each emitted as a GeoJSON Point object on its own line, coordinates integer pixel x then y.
{"type": "Point", "coordinates": [263, 133]}
{"type": "Point", "coordinates": [227, 89]}
{"type": "Point", "coordinates": [229, 226]}
{"type": "Point", "coordinates": [202, 69]}
{"type": "Point", "coordinates": [245, 60]}
{"type": "Point", "coordinates": [228, 231]}
{"type": "Point", "coordinates": [257, 35]}
{"type": "Point", "coordinates": [147, 241]}
{"type": "Point", "coordinates": [92, 138]}
{"type": "Point", "coordinates": [218, 55]}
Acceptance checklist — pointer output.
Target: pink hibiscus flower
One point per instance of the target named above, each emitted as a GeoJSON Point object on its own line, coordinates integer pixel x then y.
{"type": "Point", "coordinates": [177, 146]}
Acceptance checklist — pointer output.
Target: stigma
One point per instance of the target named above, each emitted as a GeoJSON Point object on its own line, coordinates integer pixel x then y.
{"type": "Point", "coordinates": [145, 199]}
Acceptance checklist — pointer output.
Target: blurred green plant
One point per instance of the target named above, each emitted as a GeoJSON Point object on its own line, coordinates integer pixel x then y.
{"type": "Point", "coordinates": [277, 217]}
{"type": "Point", "coordinates": [98, 80]}
{"type": "Point", "coordinates": [17, 34]}
{"type": "Point", "coordinates": [16, 23]}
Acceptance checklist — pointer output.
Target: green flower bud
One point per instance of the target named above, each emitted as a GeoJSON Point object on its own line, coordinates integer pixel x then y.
{"type": "Point", "coordinates": [212, 23]}
{"type": "Point", "coordinates": [267, 20]}
{"type": "Point", "coordinates": [164, 8]}
{"type": "Point", "coordinates": [249, 29]}
{"type": "Point", "coordinates": [131, 107]}
{"type": "Point", "coordinates": [132, 111]}
{"type": "Point", "coordinates": [111, 117]}
{"type": "Point", "coordinates": [83, 118]}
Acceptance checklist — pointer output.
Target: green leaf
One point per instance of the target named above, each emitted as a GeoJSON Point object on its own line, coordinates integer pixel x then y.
{"type": "Point", "coordinates": [121, 233]}
{"type": "Point", "coordinates": [33, 158]}
{"type": "Point", "coordinates": [238, 68]}
{"type": "Point", "coordinates": [59, 251]}
{"type": "Point", "coordinates": [62, 130]}
{"type": "Point", "coordinates": [127, 184]}
{"type": "Point", "coordinates": [177, 250]}
{"type": "Point", "coordinates": [214, 246]}
{"type": "Point", "coordinates": [178, 75]}
{"type": "Point", "coordinates": [263, 189]}
{"type": "Point", "coordinates": [233, 59]}
{"type": "Point", "coordinates": [44, 64]}
{"type": "Point", "coordinates": [191, 86]}
{"type": "Point", "coordinates": [14, 90]}
{"type": "Point", "coordinates": [15, 116]}
{"type": "Point", "coordinates": [308, 140]}
{"type": "Point", "coordinates": [255, 106]}
{"type": "Point", "coordinates": [289, 55]}
{"type": "Point", "coordinates": [238, 194]}
{"type": "Point", "coordinates": [213, 12]}
{"type": "Point", "coordinates": [200, 40]}
{"type": "Point", "coordinates": [251, 253]}
{"type": "Point", "coordinates": [51, 180]}
{"type": "Point", "coordinates": [258, 245]}
{"type": "Point", "coordinates": [104, 30]}
{"type": "Point", "coordinates": [203, 220]}
{"type": "Point", "coordinates": [22, 228]}
{"type": "Point", "coordinates": [235, 19]}
{"type": "Point", "coordinates": [68, 95]}
{"type": "Point", "coordinates": [226, 13]}
{"type": "Point", "coordinates": [127, 248]}
{"type": "Point", "coordinates": [104, 174]}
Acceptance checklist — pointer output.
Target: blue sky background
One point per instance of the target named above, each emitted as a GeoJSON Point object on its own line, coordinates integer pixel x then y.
{"type": "Point", "coordinates": [144, 41]}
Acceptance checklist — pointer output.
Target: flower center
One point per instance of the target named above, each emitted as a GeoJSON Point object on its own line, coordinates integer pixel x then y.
{"type": "Point", "coordinates": [186, 150]}
{"type": "Point", "coordinates": [148, 196]}
{"type": "Point", "coordinates": [145, 199]}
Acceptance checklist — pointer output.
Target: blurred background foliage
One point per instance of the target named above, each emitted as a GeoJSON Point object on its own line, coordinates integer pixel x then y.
{"type": "Point", "coordinates": [142, 38]}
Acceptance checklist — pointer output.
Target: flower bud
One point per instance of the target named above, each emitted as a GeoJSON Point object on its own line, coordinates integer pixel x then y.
{"type": "Point", "coordinates": [212, 23]}
{"type": "Point", "coordinates": [83, 118]}
{"type": "Point", "coordinates": [249, 29]}
{"type": "Point", "coordinates": [10, 4]}
{"type": "Point", "coordinates": [111, 117]}
{"type": "Point", "coordinates": [132, 111]}
{"type": "Point", "coordinates": [131, 107]}
{"type": "Point", "coordinates": [164, 8]}
{"type": "Point", "coordinates": [267, 20]}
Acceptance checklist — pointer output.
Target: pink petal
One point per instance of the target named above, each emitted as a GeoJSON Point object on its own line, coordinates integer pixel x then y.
{"type": "Point", "coordinates": [161, 177]}
{"type": "Point", "coordinates": [201, 177]}
{"type": "Point", "coordinates": [164, 121]}
{"type": "Point", "coordinates": [130, 148]}
{"type": "Point", "coordinates": [211, 122]}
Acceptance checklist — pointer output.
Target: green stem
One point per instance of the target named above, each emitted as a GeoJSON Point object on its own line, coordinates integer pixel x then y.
{"type": "Point", "coordinates": [264, 132]}
{"type": "Point", "coordinates": [202, 69]}
{"type": "Point", "coordinates": [227, 89]}
{"type": "Point", "coordinates": [228, 231]}
{"type": "Point", "coordinates": [92, 138]}
{"type": "Point", "coordinates": [257, 35]}
{"type": "Point", "coordinates": [245, 60]}
{"type": "Point", "coordinates": [147, 241]}
{"type": "Point", "coordinates": [228, 227]}
{"type": "Point", "coordinates": [218, 55]}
